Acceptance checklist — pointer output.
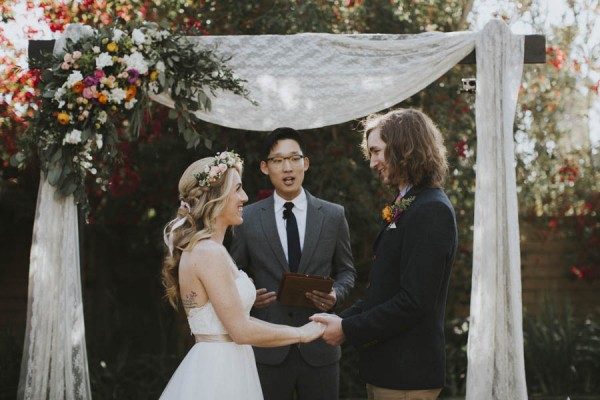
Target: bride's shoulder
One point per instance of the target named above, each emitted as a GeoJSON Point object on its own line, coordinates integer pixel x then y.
{"type": "Point", "coordinates": [208, 249]}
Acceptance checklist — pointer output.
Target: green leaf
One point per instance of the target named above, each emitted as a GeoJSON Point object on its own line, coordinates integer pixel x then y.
{"type": "Point", "coordinates": [54, 174]}
{"type": "Point", "coordinates": [54, 158]}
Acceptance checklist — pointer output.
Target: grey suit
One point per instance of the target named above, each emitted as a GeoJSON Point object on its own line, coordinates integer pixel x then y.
{"type": "Point", "coordinates": [256, 248]}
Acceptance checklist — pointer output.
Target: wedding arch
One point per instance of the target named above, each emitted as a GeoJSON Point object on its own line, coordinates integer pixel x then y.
{"type": "Point", "coordinates": [298, 81]}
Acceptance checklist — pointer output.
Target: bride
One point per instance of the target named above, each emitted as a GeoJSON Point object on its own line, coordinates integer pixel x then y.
{"type": "Point", "coordinates": [216, 296]}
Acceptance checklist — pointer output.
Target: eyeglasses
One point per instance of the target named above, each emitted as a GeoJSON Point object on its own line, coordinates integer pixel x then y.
{"type": "Point", "coordinates": [295, 160]}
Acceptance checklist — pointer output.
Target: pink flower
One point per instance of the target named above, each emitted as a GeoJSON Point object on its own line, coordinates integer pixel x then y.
{"type": "Point", "coordinates": [222, 167]}
{"type": "Point", "coordinates": [90, 92]}
{"type": "Point", "coordinates": [76, 55]}
{"type": "Point", "coordinates": [65, 66]}
{"type": "Point", "coordinates": [99, 74]}
{"type": "Point", "coordinates": [68, 58]}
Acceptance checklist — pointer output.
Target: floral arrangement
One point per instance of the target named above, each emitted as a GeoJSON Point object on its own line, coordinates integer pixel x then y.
{"type": "Point", "coordinates": [220, 163]}
{"type": "Point", "coordinates": [392, 212]}
{"type": "Point", "coordinates": [97, 92]}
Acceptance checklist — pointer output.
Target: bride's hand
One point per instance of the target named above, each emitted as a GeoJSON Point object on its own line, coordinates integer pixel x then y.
{"type": "Point", "coordinates": [311, 331]}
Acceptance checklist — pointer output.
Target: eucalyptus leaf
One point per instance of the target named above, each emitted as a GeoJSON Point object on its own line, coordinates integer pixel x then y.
{"type": "Point", "coordinates": [54, 174]}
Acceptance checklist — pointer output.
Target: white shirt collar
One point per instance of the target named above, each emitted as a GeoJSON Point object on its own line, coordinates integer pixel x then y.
{"type": "Point", "coordinates": [299, 201]}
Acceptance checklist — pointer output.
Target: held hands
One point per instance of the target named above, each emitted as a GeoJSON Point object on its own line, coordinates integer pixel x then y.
{"type": "Point", "coordinates": [334, 334]}
{"type": "Point", "coordinates": [311, 331]}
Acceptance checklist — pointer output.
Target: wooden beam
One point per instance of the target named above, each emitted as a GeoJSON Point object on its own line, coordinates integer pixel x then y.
{"type": "Point", "coordinates": [535, 52]}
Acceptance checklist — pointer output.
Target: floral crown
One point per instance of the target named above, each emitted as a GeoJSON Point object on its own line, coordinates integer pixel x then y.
{"type": "Point", "coordinates": [217, 167]}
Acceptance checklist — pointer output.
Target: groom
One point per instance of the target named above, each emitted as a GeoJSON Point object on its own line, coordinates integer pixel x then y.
{"type": "Point", "coordinates": [294, 231]}
{"type": "Point", "coordinates": [398, 326]}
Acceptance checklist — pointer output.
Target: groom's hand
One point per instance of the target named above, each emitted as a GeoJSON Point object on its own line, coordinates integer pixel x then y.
{"type": "Point", "coordinates": [264, 298]}
{"type": "Point", "coordinates": [334, 334]}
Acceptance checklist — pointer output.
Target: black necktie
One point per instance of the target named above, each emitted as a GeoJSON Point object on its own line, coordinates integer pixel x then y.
{"type": "Point", "coordinates": [293, 238]}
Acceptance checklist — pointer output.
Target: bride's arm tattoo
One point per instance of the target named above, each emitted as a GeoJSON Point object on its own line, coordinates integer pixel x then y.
{"type": "Point", "coordinates": [189, 301]}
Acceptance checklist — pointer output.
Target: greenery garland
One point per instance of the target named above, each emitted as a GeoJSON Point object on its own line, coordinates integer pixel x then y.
{"type": "Point", "coordinates": [97, 93]}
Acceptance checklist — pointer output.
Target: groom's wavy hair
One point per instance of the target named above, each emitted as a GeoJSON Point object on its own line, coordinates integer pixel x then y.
{"type": "Point", "coordinates": [205, 204]}
{"type": "Point", "coordinates": [414, 147]}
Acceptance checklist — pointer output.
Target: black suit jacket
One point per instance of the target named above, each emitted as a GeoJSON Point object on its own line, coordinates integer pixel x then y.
{"type": "Point", "coordinates": [398, 326]}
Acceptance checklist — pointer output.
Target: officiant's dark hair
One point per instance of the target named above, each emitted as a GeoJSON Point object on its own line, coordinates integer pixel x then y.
{"type": "Point", "coordinates": [281, 134]}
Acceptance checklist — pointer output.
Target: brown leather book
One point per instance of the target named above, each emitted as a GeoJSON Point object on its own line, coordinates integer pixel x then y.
{"type": "Point", "coordinates": [293, 287]}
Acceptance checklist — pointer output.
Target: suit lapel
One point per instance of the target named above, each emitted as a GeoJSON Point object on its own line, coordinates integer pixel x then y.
{"type": "Point", "coordinates": [269, 227]}
{"type": "Point", "coordinates": [314, 222]}
{"type": "Point", "coordinates": [414, 191]}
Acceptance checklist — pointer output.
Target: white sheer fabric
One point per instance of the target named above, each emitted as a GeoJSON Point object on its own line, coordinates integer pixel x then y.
{"type": "Point", "coordinates": [314, 79]}
{"type": "Point", "coordinates": [496, 367]}
{"type": "Point", "coordinates": [308, 81]}
{"type": "Point", "coordinates": [54, 364]}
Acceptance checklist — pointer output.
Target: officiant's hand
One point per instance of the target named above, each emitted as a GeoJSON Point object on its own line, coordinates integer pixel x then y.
{"type": "Point", "coordinates": [322, 300]}
{"type": "Point", "coordinates": [334, 334]}
{"type": "Point", "coordinates": [264, 298]}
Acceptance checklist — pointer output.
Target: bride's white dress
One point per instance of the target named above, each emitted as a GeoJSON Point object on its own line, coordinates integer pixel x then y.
{"type": "Point", "coordinates": [217, 370]}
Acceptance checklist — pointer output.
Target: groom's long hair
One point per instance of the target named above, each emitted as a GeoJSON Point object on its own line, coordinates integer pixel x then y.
{"type": "Point", "coordinates": [414, 147]}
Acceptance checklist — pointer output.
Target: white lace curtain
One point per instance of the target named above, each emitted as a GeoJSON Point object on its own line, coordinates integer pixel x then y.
{"type": "Point", "coordinates": [307, 81]}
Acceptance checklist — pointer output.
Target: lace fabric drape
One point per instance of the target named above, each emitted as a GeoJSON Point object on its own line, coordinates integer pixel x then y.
{"type": "Point", "coordinates": [308, 81]}
{"type": "Point", "coordinates": [496, 367]}
{"type": "Point", "coordinates": [54, 364]}
{"type": "Point", "coordinates": [312, 80]}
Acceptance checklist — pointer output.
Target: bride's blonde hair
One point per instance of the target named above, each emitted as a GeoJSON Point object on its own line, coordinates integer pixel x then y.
{"type": "Point", "coordinates": [203, 191]}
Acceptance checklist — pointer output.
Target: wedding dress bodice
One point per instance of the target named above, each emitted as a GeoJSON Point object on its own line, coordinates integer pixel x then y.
{"type": "Point", "coordinates": [204, 320]}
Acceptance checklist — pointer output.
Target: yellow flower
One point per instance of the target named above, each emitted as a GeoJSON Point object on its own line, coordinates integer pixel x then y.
{"type": "Point", "coordinates": [153, 75]}
{"type": "Point", "coordinates": [63, 118]}
{"type": "Point", "coordinates": [112, 47]}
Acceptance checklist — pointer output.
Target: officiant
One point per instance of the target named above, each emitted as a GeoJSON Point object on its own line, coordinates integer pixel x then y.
{"type": "Point", "coordinates": [293, 231]}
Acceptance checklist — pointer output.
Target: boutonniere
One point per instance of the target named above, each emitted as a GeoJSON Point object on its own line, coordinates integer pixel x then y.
{"type": "Point", "coordinates": [392, 212]}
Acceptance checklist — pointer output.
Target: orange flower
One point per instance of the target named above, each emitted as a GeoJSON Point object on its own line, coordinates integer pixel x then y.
{"type": "Point", "coordinates": [102, 99]}
{"type": "Point", "coordinates": [77, 87]}
{"type": "Point", "coordinates": [112, 47]}
{"type": "Point", "coordinates": [131, 92]}
{"type": "Point", "coordinates": [386, 214]}
{"type": "Point", "coordinates": [63, 118]}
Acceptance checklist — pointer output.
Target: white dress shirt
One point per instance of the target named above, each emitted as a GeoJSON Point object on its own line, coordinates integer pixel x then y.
{"type": "Point", "coordinates": [299, 210]}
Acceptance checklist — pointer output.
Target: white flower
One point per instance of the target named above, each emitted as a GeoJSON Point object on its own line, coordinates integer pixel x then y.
{"type": "Point", "coordinates": [99, 142]}
{"type": "Point", "coordinates": [117, 33]}
{"type": "Point", "coordinates": [73, 137]}
{"type": "Point", "coordinates": [129, 104]}
{"type": "Point", "coordinates": [60, 92]}
{"type": "Point", "coordinates": [104, 60]}
{"type": "Point", "coordinates": [153, 87]}
{"type": "Point", "coordinates": [138, 36]}
{"type": "Point", "coordinates": [136, 61]}
{"type": "Point", "coordinates": [74, 78]}
{"type": "Point", "coordinates": [102, 116]}
{"type": "Point", "coordinates": [96, 50]}
{"type": "Point", "coordinates": [117, 95]}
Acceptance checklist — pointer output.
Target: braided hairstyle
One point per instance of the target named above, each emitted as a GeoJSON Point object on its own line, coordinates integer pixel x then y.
{"type": "Point", "coordinates": [201, 203]}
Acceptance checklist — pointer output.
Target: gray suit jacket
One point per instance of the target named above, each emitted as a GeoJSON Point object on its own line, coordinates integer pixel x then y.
{"type": "Point", "coordinates": [257, 249]}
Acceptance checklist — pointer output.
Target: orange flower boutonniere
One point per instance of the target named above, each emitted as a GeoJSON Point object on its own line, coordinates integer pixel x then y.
{"type": "Point", "coordinates": [392, 212]}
